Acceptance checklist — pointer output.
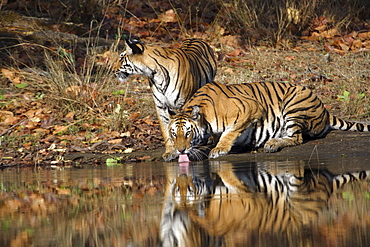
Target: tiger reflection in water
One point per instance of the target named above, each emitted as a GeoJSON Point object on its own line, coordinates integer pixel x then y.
{"type": "Point", "coordinates": [203, 210]}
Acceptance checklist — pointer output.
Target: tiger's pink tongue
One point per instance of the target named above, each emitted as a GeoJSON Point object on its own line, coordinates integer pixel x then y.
{"type": "Point", "coordinates": [183, 158]}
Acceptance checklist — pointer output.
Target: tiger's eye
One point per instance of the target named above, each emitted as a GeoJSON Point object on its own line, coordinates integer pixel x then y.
{"type": "Point", "coordinates": [187, 134]}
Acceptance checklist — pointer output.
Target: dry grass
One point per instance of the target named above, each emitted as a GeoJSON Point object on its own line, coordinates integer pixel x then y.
{"type": "Point", "coordinates": [93, 91]}
{"type": "Point", "coordinates": [274, 21]}
{"type": "Point", "coordinates": [267, 21]}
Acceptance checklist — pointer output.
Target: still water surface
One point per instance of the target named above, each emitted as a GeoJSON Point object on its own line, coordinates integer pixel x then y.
{"type": "Point", "coordinates": [218, 203]}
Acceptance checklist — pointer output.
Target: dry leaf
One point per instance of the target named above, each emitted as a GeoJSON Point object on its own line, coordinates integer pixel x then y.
{"type": "Point", "coordinates": [58, 129]}
{"type": "Point", "coordinates": [364, 36]}
{"type": "Point", "coordinates": [130, 101]}
{"type": "Point", "coordinates": [128, 150]}
{"type": "Point", "coordinates": [31, 125]}
{"type": "Point", "coordinates": [11, 76]}
{"type": "Point", "coordinates": [233, 41]}
{"type": "Point", "coordinates": [5, 115]}
{"type": "Point", "coordinates": [232, 59]}
{"type": "Point", "coordinates": [147, 120]}
{"type": "Point", "coordinates": [47, 123]}
{"type": "Point", "coordinates": [70, 115]}
{"type": "Point", "coordinates": [320, 21]}
{"type": "Point", "coordinates": [33, 113]}
{"type": "Point", "coordinates": [289, 58]}
{"type": "Point", "coordinates": [115, 134]}
{"type": "Point", "coordinates": [236, 52]}
{"type": "Point", "coordinates": [27, 144]}
{"type": "Point", "coordinates": [330, 33]}
{"type": "Point", "coordinates": [348, 39]}
{"type": "Point", "coordinates": [329, 47]}
{"type": "Point", "coordinates": [340, 52]}
{"type": "Point", "coordinates": [73, 90]}
{"type": "Point", "coordinates": [7, 74]}
{"type": "Point", "coordinates": [125, 134]}
{"type": "Point", "coordinates": [10, 120]}
{"type": "Point", "coordinates": [168, 16]}
{"type": "Point", "coordinates": [229, 71]}
{"type": "Point", "coordinates": [320, 28]}
{"type": "Point", "coordinates": [344, 47]}
{"type": "Point", "coordinates": [356, 44]}
{"type": "Point", "coordinates": [134, 115]}
{"type": "Point", "coordinates": [115, 141]}
{"type": "Point", "coordinates": [366, 44]}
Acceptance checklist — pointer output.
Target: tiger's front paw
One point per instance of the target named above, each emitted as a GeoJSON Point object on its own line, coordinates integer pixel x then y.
{"type": "Point", "coordinates": [274, 145]}
{"type": "Point", "coordinates": [217, 152]}
{"type": "Point", "coordinates": [170, 155]}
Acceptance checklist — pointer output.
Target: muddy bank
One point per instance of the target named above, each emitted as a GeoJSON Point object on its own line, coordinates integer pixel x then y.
{"type": "Point", "coordinates": [335, 144]}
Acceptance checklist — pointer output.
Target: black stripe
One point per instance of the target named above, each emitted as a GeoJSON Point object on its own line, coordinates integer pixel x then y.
{"type": "Point", "coordinates": [360, 127]}
{"type": "Point", "coordinates": [334, 123]}
{"type": "Point", "coordinates": [362, 175]}
{"type": "Point", "coordinates": [264, 182]}
{"type": "Point", "coordinates": [219, 87]}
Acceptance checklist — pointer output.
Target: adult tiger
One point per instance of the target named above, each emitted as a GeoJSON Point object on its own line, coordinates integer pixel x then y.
{"type": "Point", "coordinates": [245, 199]}
{"type": "Point", "coordinates": [174, 73]}
{"type": "Point", "coordinates": [272, 114]}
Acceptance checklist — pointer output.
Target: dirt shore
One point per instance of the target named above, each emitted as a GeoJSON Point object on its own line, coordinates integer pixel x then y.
{"type": "Point", "coordinates": [335, 144]}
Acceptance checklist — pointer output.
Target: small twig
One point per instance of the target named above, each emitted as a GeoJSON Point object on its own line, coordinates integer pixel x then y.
{"type": "Point", "coordinates": [15, 125]}
{"type": "Point", "coordinates": [317, 154]}
{"type": "Point", "coordinates": [321, 77]}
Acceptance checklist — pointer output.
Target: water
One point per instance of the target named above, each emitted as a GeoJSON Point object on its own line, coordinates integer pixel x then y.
{"type": "Point", "coordinates": [138, 204]}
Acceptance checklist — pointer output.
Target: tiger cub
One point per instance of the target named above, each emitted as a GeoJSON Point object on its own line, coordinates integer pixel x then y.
{"type": "Point", "coordinates": [272, 114]}
{"type": "Point", "coordinates": [174, 73]}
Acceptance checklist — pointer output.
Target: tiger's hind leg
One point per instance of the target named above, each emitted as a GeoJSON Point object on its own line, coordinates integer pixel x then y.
{"type": "Point", "coordinates": [303, 112]}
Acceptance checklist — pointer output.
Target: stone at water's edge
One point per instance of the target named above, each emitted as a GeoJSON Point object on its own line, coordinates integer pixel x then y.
{"type": "Point", "coordinates": [183, 158]}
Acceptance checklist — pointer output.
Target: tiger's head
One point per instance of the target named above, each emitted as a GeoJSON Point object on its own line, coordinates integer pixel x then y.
{"type": "Point", "coordinates": [189, 190]}
{"type": "Point", "coordinates": [134, 61]}
{"type": "Point", "coordinates": [187, 130]}
{"type": "Point", "coordinates": [184, 189]}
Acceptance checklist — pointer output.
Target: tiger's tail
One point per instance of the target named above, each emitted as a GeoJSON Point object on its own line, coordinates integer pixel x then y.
{"type": "Point", "coordinates": [340, 180]}
{"type": "Point", "coordinates": [340, 124]}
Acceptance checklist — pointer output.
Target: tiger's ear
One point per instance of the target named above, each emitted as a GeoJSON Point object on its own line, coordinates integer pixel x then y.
{"type": "Point", "coordinates": [133, 46]}
{"type": "Point", "coordinates": [195, 113]}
